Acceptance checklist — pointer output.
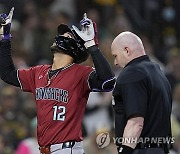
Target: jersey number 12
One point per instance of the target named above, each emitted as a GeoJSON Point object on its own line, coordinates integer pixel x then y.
{"type": "Point", "coordinates": [59, 115]}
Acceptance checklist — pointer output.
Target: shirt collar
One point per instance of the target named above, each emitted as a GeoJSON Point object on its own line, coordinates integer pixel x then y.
{"type": "Point", "coordinates": [138, 59]}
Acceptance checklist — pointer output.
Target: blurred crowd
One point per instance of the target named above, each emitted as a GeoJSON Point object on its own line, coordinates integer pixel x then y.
{"type": "Point", "coordinates": [33, 30]}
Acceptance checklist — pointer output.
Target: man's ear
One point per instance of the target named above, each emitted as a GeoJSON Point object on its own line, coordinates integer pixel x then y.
{"type": "Point", "coordinates": [127, 50]}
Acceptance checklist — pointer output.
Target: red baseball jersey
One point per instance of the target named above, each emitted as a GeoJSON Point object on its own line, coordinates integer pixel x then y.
{"type": "Point", "coordinates": [60, 101]}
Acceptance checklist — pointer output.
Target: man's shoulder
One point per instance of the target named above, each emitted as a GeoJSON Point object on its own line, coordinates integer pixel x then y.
{"type": "Point", "coordinates": [132, 74]}
{"type": "Point", "coordinates": [35, 69]}
{"type": "Point", "coordinates": [39, 68]}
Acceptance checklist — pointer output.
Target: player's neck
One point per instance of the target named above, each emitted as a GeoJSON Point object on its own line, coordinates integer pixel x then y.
{"type": "Point", "coordinates": [61, 60]}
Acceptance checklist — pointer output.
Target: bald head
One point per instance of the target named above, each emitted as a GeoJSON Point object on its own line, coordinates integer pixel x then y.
{"type": "Point", "coordinates": [130, 40]}
{"type": "Point", "coordinates": [127, 46]}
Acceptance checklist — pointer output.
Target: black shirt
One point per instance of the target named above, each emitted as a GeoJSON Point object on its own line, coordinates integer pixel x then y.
{"type": "Point", "coordinates": [143, 90]}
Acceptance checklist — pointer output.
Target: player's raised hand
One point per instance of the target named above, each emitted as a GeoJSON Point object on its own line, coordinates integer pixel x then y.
{"type": "Point", "coordinates": [88, 31]}
{"type": "Point", "coordinates": [5, 25]}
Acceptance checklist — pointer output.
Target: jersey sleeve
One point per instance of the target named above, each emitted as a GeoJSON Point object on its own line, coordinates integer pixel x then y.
{"type": "Point", "coordinates": [134, 97]}
{"type": "Point", "coordinates": [26, 78]}
{"type": "Point", "coordinates": [85, 77]}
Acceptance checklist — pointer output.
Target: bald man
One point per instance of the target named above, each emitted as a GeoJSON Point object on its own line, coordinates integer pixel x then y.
{"type": "Point", "coordinates": [141, 100]}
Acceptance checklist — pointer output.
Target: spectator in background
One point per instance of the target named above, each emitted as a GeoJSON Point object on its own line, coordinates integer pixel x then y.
{"type": "Point", "coordinates": [95, 15]}
{"type": "Point", "coordinates": [173, 73]}
{"type": "Point", "coordinates": [29, 145]}
{"type": "Point", "coordinates": [106, 7]}
{"type": "Point", "coordinates": [120, 22]}
{"type": "Point", "coordinates": [96, 114]}
{"type": "Point", "coordinates": [176, 102]}
{"type": "Point", "coordinates": [176, 135]}
{"type": "Point", "coordinates": [150, 52]}
{"type": "Point", "coordinates": [9, 103]}
{"type": "Point", "coordinates": [30, 29]}
{"type": "Point", "coordinates": [2, 144]}
{"type": "Point", "coordinates": [13, 126]}
{"type": "Point", "coordinates": [176, 118]}
{"type": "Point", "coordinates": [66, 6]}
{"type": "Point", "coordinates": [136, 11]}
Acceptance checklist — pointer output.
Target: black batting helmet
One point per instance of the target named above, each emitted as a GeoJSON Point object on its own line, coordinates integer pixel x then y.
{"type": "Point", "coordinates": [72, 46]}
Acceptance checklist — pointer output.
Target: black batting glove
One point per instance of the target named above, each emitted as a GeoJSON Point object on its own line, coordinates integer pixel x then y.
{"type": "Point", "coordinates": [123, 149]}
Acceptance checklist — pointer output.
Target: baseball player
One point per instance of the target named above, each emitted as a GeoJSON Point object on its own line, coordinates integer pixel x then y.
{"type": "Point", "coordinates": [60, 90]}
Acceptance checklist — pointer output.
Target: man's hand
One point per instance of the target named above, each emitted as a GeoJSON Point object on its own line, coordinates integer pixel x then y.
{"type": "Point", "coordinates": [88, 33]}
{"type": "Point", "coordinates": [5, 25]}
{"type": "Point", "coordinates": [123, 149]}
